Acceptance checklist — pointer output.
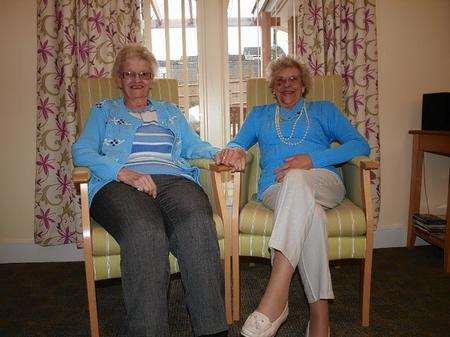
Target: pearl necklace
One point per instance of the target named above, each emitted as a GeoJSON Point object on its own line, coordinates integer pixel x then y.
{"type": "Point", "coordinates": [287, 140]}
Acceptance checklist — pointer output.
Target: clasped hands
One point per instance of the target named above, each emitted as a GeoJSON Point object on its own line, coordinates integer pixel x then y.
{"type": "Point", "coordinates": [142, 182]}
{"type": "Point", "coordinates": [235, 158]}
{"type": "Point", "coordinates": [232, 157]}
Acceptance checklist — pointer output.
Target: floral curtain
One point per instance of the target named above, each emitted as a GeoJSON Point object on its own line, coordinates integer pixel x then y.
{"type": "Point", "coordinates": [339, 37]}
{"type": "Point", "coordinates": [75, 38]}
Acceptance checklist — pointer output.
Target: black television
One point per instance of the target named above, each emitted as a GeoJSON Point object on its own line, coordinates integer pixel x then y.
{"type": "Point", "coordinates": [436, 111]}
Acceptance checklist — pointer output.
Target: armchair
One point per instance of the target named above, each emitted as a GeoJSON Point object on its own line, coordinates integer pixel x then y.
{"type": "Point", "coordinates": [350, 225]}
{"type": "Point", "coordinates": [101, 251]}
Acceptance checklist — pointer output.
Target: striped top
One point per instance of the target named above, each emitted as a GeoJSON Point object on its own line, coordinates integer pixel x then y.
{"type": "Point", "coordinates": [151, 152]}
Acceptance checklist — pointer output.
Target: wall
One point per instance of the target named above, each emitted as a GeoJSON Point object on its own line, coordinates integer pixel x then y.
{"type": "Point", "coordinates": [17, 131]}
{"type": "Point", "coordinates": [17, 137]}
{"type": "Point", "coordinates": [414, 58]}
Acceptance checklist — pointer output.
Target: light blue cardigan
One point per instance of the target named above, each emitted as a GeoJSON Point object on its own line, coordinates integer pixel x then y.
{"type": "Point", "coordinates": [106, 141]}
{"type": "Point", "coordinates": [327, 124]}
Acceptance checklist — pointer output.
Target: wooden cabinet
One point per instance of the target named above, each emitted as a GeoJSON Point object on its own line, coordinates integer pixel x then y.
{"type": "Point", "coordinates": [437, 142]}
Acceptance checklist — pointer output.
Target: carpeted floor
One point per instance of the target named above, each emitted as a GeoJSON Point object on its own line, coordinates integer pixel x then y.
{"type": "Point", "coordinates": [410, 298]}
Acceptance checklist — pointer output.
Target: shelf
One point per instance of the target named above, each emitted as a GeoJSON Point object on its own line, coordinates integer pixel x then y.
{"type": "Point", "coordinates": [433, 142]}
{"type": "Point", "coordinates": [437, 239]}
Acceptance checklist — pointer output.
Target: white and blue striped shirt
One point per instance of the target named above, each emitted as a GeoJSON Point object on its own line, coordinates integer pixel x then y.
{"type": "Point", "coordinates": [151, 152]}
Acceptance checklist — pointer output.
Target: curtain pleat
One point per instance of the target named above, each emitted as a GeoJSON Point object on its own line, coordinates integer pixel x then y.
{"type": "Point", "coordinates": [339, 37]}
{"type": "Point", "coordinates": [75, 38]}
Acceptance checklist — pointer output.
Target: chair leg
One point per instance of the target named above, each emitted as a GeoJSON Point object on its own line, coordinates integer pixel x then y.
{"type": "Point", "coordinates": [366, 274]}
{"type": "Point", "coordinates": [219, 198]}
{"type": "Point", "coordinates": [88, 260]}
{"type": "Point", "coordinates": [92, 303]}
{"type": "Point", "coordinates": [236, 290]}
{"type": "Point", "coordinates": [235, 247]}
{"type": "Point", "coordinates": [366, 268]}
{"type": "Point", "coordinates": [228, 287]}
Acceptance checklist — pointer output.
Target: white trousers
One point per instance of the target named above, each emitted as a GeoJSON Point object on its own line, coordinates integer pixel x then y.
{"type": "Point", "coordinates": [300, 231]}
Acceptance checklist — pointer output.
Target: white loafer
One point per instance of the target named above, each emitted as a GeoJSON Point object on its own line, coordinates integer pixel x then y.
{"type": "Point", "coordinates": [307, 331]}
{"type": "Point", "coordinates": [259, 325]}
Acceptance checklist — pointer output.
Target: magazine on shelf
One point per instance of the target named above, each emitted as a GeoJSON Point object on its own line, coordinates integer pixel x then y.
{"type": "Point", "coordinates": [429, 229]}
{"type": "Point", "coordinates": [429, 219]}
{"type": "Point", "coordinates": [429, 223]}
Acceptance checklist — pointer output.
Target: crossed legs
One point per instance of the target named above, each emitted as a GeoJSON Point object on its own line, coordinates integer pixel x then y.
{"type": "Point", "coordinates": [277, 292]}
{"type": "Point", "coordinates": [299, 238]}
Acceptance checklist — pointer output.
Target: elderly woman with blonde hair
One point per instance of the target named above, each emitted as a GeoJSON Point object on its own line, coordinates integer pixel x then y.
{"type": "Point", "coordinates": [147, 196]}
{"type": "Point", "coordinates": [298, 180]}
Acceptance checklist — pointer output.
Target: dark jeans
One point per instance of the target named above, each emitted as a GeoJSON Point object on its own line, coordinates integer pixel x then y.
{"type": "Point", "coordinates": [179, 220]}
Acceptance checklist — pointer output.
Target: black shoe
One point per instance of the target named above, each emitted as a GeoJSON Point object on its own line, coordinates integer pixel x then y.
{"type": "Point", "coordinates": [219, 334]}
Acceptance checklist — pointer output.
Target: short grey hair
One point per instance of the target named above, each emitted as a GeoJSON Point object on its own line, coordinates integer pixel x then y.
{"type": "Point", "coordinates": [134, 50]}
{"type": "Point", "coordinates": [288, 61]}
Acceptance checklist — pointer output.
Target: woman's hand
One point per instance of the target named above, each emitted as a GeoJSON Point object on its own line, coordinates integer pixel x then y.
{"type": "Point", "coordinates": [233, 157]}
{"type": "Point", "coordinates": [299, 161]}
{"type": "Point", "coordinates": [141, 182]}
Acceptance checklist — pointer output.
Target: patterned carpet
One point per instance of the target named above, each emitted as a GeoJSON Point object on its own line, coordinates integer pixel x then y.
{"type": "Point", "coordinates": [410, 298]}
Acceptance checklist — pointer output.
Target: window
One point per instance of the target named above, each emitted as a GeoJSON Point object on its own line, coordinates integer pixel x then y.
{"type": "Point", "coordinates": [279, 43]}
{"type": "Point", "coordinates": [211, 47]}
{"type": "Point", "coordinates": [244, 57]}
{"type": "Point", "coordinates": [173, 36]}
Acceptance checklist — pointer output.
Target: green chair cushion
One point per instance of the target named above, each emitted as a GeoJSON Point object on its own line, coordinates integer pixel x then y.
{"type": "Point", "coordinates": [345, 220]}
{"type": "Point", "coordinates": [104, 244]}
{"type": "Point", "coordinates": [338, 247]}
{"type": "Point", "coordinates": [107, 267]}
{"type": "Point", "coordinates": [106, 251]}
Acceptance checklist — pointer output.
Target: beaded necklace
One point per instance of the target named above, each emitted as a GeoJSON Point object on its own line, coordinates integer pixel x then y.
{"type": "Point", "coordinates": [287, 140]}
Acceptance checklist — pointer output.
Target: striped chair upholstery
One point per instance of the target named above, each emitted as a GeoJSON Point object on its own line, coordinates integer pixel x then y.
{"type": "Point", "coordinates": [347, 225]}
{"type": "Point", "coordinates": [106, 251]}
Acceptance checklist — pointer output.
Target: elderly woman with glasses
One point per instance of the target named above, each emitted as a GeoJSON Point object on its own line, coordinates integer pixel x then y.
{"type": "Point", "coordinates": [298, 180]}
{"type": "Point", "coordinates": [145, 194]}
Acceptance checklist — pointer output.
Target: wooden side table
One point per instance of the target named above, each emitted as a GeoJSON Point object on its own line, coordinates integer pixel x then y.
{"type": "Point", "coordinates": [437, 142]}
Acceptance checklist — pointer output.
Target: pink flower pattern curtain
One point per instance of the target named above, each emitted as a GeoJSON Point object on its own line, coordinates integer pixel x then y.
{"type": "Point", "coordinates": [339, 37]}
{"type": "Point", "coordinates": [75, 38]}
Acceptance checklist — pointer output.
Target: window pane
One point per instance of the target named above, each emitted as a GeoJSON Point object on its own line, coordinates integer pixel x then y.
{"type": "Point", "coordinates": [177, 64]}
{"type": "Point", "coordinates": [279, 43]}
{"type": "Point", "coordinates": [245, 60]}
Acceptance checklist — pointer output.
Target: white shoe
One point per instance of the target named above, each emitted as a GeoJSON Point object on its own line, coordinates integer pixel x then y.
{"type": "Point", "coordinates": [259, 325]}
{"type": "Point", "coordinates": [307, 331]}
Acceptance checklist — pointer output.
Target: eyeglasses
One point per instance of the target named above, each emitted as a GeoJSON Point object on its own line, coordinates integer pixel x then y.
{"type": "Point", "coordinates": [279, 81]}
{"type": "Point", "coordinates": [131, 75]}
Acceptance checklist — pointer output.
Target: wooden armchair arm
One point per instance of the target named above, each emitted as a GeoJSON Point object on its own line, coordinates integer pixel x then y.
{"type": "Point", "coordinates": [202, 163]}
{"type": "Point", "coordinates": [223, 168]}
{"type": "Point", "coordinates": [219, 168]}
{"type": "Point", "coordinates": [81, 175]}
{"type": "Point", "coordinates": [209, 164]}
{"type": "Point", "coordinates": [356, 174]}
{"type": "Point", "coordinates": [363, 162]}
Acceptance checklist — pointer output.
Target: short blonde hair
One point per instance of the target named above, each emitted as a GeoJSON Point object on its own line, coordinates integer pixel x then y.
{"type": "Point", "coordinates": [284, 62]}
{"type": "Point", "coordinates": [134, 50]}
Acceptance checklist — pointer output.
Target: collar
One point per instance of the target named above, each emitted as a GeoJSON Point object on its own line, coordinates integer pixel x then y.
{"type": "Point", "coordinates": [149, 106]}
{"type": "Point", "coordinates": [289, 113]}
